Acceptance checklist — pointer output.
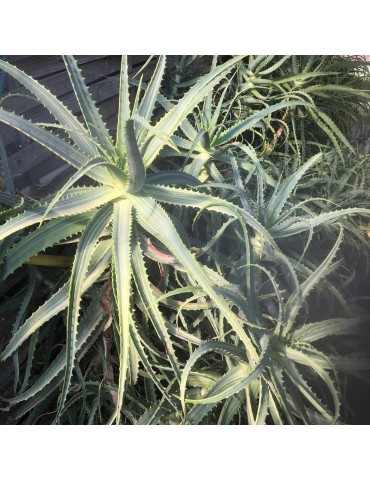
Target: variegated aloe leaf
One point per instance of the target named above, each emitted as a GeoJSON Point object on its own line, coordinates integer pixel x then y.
{"type": "Point", "coordinates": [282, 193]}
{"type": "Point", "coordinates": [299, 225]}
{"type": "Point", "coordinates": [297, 356]}
{"type": "Point", "coordinates": [177, 196]}
{"type": "Point", "coordinates": [149, 303]}
{"type": "Point", "coordinates": [122, 273]}
{"type": "Point", "coordinates": [231, 133]}
{"type": "Point", "coordinates": [56, 145]}
{"type": "Point", "coordinates": [89, 110]}
{"type": "Point", "coordinates": [123, 109]}
{"type": "Point", "coordinates": [83, 255]}
{"type": "Point", "coordinates": [61, 113]}
{"type": "Point", "coordinates": [71, 203]}
{"type": "Point", "coordinates": [310, 332]}
{"type": "Point", "coordinates": [150, 97]}
{"type": "Point", "coordinates": [41, 238]}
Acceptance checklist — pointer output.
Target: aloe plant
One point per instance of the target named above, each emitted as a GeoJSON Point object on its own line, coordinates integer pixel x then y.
{"type": "Point", "coordinates": [185, 328]}
{"type": "Point", "coordinates": [117, 204]}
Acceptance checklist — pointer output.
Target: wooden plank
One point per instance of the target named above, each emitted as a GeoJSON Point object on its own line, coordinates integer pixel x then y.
{"type": "Point", "coordinates": [43, 65]}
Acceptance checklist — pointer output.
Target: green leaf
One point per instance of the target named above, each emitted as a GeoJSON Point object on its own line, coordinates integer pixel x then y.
{"type": "Point", "coordinates": [73, 202]}
{"type": "Point", "coordinates": [88, 108]}
{"type": "Point", "coordinates": [281, 195]}
{"type": "Point", "coordinates": [231, 383]}
{"type": "Point", "coordinates": [122, 226]}
{"type": "Point", "coordinates": [309, 360]}
{"type": "Point", "coordinates": [295, 301]}
{"type": "Point", "coordinates": [232, 132]}
{"type": "Point", "coordinates": [85, 248]}
{"type": "Point", "coordinates": [93, 316]}
{"type": "Point", "coordinates": [61, 113]}
{"type": "Point", "coordinates": [42, 238]}
{"type": "Point", "coordinates": [52, 142]}
{"type": "Point", "coordinates": [150, 97]}
{"type": "Point", "coordinates": [311, 332]}
{"type": "Point", "coordinates": [222, 348]}
{"type": "Point", "coordinates": [281, 231]}
{"type": "Point", "coordinates": [136, 170]}
{"type": "Point", "coordinates": [123, 109]}
{"type": "Point", "coordinates": [150, 305]}
{"type": "Point", "coordinates": [189, 198]}
{"type": "Point", "coordinates": [80, 173]}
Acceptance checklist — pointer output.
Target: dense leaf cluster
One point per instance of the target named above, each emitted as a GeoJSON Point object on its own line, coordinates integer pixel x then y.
{"type": "Point", "coordinates": [203, 248]}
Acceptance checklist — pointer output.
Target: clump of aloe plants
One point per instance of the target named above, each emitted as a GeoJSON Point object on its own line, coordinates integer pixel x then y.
{"type": "Point", "coordinates": [202, 248]}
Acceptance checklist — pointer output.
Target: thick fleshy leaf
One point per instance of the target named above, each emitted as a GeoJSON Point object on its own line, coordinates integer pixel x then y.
{"type": "Point", "coordinates": [250, 122]}
{"type": "Point", "coordinates": [38, 240]}
{"type": "Point", "coordinates": [136, 170]}
{"type": "Point", "coordinates": [189, 198]}
{"type": "Point", "coordinates": [150, 97]}
{"type": "Point", "coordinates": [72, 203]}
{"type": "Point", "coordinates": [61, 113]}
{"type": "Point", "coordinates": [150, 305]}
{"type": "Point", "coordinates": [85, 248]}
{"type": "Point", "coordinates": [231, 383]}
{"type": "Point", "coordinates": [123, 109]}
{"type": "Point", "coordinates": [311, 332]}
{"type": "Point", "coordinates": [122, 226]}
{"type": "Point", "coordinates": [295, 301]}
{"type": "Point", "coordinates": [93, 316]}
{"type": "Point", "coordinates": [282, 192]}
{"type": "Point", "coordinates": [52, 142]}
{"type": "Point", "coordinates": [89, 110]}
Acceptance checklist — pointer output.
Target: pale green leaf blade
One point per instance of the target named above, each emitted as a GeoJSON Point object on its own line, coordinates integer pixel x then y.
{"type": "Point", "coordinates": [232, 132]}
{"type": "Point", "coordinates": [123, 108]}
{"type": "Point", "coordinates": [122, 226]}
{"type": "Point", "coordinates": [281, 195]}
{"type": "Point", "coordinates": [89, 110]}
{"type": "Point", "coordinates": [93, 316]}
{"type": "Point", "coordinates": [52, 142]}
{"type": "Point", "coordinates": [294, 302]}
{"type": "Point", "coordinates": [322, 219]}
{"type": "Point", "coordinates": [189, 198]}
{"type": "Point", "coordinates": [150, 97]}
{"type": "Point", "coordinates": [42, 238]}
{"type": "Point", "coordinates": [85, 248]}
{"type": "Point", "coordinates": [71, 203]}
{"type": "Point", "coordinates": [136, 170]}
{"type": "Point", "coordinates": [61, 113]}
{"type": "Point", "coordinates": [311, 332]}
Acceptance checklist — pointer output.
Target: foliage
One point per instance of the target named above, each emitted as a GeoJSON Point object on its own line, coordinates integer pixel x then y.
{"type": "Point", "coordinates": [193, 248]}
